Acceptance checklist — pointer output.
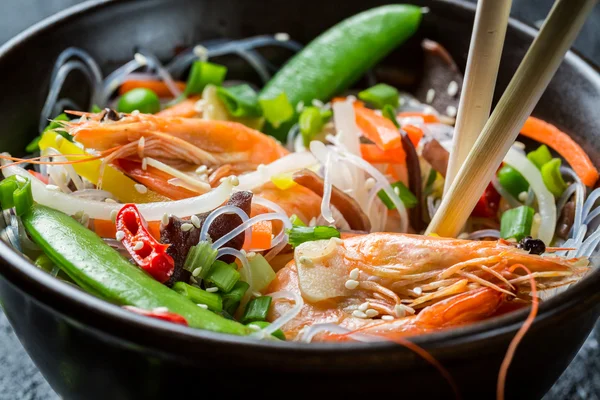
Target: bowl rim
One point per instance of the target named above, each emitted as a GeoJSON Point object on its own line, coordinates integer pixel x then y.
{"type": "Point", "coordinates": [581, 295]}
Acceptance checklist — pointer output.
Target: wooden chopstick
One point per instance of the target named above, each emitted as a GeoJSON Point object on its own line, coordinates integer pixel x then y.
{"type": "Point", "coordinates": [487, 41]}
{"type": "Point", "coordinates": [522, 94]}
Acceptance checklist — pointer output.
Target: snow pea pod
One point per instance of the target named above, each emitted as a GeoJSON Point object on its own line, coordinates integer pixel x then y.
{"type": "Point", "coordinates": [97, 267]}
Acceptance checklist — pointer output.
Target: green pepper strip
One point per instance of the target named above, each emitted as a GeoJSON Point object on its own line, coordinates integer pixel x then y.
{"type": "Point", "coordinates": [540, 156]}
{"type": "Point", "coordinates": [277, 110]}
{"type": "Point", "coordinates": [381, 95]}
{"type": "Point", "coordinates": [512, 181]}
{"type": "Point", "coordinates": [553, 177]}
{"type": "Point", "coordinates": [91, 263]}
{"type": "Point", "coordinates": [240, 100]}
{"type": "Point", "coordinates": [516, 223]}
{"type": "Point", "coordinates": [15, 191]}
{"type": "Point", "coordinates": [202, 74]}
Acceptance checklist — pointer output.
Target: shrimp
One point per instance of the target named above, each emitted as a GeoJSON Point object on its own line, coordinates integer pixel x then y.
{"type": "Point", "coordinates": [420, 283]}
{"type": "Point", "coordinates": [178, 141]}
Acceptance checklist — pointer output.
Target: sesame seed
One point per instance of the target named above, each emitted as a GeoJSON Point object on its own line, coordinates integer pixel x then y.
{"type": "Point", "coordinates": [212, 289]}
{"type": "Point", "coordinates": [254, 327]}
{"type": "Point", "coordinates": [201, 52]}
{"type": "Point", "coordinates": [369, 183]}
{"type": "Point", "coordinates": [305, 260]}
{"type": "Point", "coordinates": [451, 111]}
{"type": "Point", "coordinates": [463, 235]}
{"type": "Point", "coordinates": [256, 294]}
{"type": "Point", "coordinates": [351, 284]}
{"type": "Point", "coordinates": [400, 310]}
{"type": "Point", "coordinates": [234, 180]}
{"type": "Point", "coordinates": [364, 306]}
{"type": "Point", "coordinates": [144, 163]}
{"type": "Point", "coordinates": [336, 240]}
{"type": "Point", "coordinates": [282, 37]}
{"type": "Point", "coordinates": [252, 254]}
{"type": "Point", "coordinates": [452, 88]}
{"type": "Point", "coordinates": [194, 281]}
{"type": "Point", "coordinates": [300, 106]}
{"type": "Point", "coordinates": [397, 191]}
{"type": "Point", "coordinates": [203, 306]}
{"type": "Point", "coordinates": [359, 314]}
{"type": "Point", "coordinates": [317, 103]}
{"type": "Point", "coordinates": [186, 227]}
{"type": "Point", "coordinates": [21, 179]}
{"type": "Point", "coordinates": [52, 187]}
{"type": "Point", "coordinates": [140, 59]}
{"type": "Point", "coordinates": [418, 291]}
{"type": "Point", "coordinates": [197, 271]}
{"type": "Point", "coordinates": [387, 318]}
{"type": "Point", "coordinates": [161, 309]}
{"type": "Point", "coordinates": [201, 169]}
{"type": "Point", "coordinates": [371, 313]}
{"type": "Point", "coordinates": [120, 235]}
{"type": "Point", "coordinates": [109, 200]}
{"type": "Point", "coordinates": [113, 216]}
{"type": "Point", "coordinates": [523, 197]}
{"type": "Point", "coordinates": [519, 145]}
{"type": "Point", "coordinates": [140, 188]}
{"type": "Point", "coordinates": [85, 219]}
{"type": "Point", "coordinates": [354, 273]}
{"type": "Point", "coordinates": [58, 140]}
{"type": "Point", "coordinates": [138, 245]}
{"type": "Point", "coordinates": [430, 96]}
{"type": "Point", "coordinates": [165, 219]}
{"type": "Point", "coordinates": [195, 221]}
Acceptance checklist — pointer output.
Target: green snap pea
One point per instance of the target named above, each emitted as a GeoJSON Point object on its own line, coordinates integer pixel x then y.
{"type": "Point", "coordinates": [141, 99]}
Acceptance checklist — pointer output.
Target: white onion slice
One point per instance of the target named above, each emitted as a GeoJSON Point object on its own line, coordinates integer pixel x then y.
{"type": "Point", "coordinates": [547, 207]}
{"type": "Point", "coordinates": [102, 210]}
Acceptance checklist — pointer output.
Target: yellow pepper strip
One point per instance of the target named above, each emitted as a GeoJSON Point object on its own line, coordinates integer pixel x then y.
{"type": "Point", "coordinates": [114, 181]}
{"type": "Point", "coordinates": [283, 181]}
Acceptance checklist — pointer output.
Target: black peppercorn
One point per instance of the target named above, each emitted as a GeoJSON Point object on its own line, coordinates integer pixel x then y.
{"type": "Point", "coordinates": [533, 246]}
{"type": "Point", "coordinates": [110, 115]}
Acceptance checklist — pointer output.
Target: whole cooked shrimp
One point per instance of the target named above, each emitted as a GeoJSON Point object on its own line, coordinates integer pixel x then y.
{"type": "Point", "coordinates": [400, 284]}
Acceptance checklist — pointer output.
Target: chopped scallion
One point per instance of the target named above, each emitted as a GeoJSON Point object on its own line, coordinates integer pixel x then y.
{"type": "Point", "coordinates": [296, 221]}
{"type": "Point", "coordinates": [201, 256]}
{"type": "Point", "coordinates": [540, 156]}
{"type": "Point", "coordinates": [512, 181]}
{"type": "Point", "coordinates": [553, 177]}
{"type": "Point", "coordinates": [257, 309]}
{"type": "Point", "coordinates": [223, 275]}
{"type": "Point", "coordinates": [263, 324]}
{"type": "Point", "coordinates": [311, 122]}
{"type": "Point", "coordinates": [300, 234]}
{"type": "Point", "coordinates": [390, 113]}
{"type": "Point", "coordinates": [212, 300]}
{"type": "Point", "coordinates": [277, 110]}
{"type": "Point", "coordinates": [231, 300]}
{"type": "Point", "coordinates": [408, 199]}
{"type": "Point", "coordinates": [23, 198]}
{"type": "Point", "coordinates": [516, 223]}
{"type": "Point", "coordinates": [202, 74]}
{"type": "Point", "coordinates": [15, 191]}
{"type": "Point", "coordinates": [262, 272]}
{"type": "Point", "coordinates": [240, 100]}
{"type": "Point", "coordinates": [380, 95]}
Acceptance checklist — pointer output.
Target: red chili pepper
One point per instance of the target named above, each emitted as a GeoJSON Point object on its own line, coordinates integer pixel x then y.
{"type": "Point", "coordinates": [164, 315]}
{"type": "Point", "coordinates": [146, 251]}
{"type": "Point", "coordinates": [488, 203]}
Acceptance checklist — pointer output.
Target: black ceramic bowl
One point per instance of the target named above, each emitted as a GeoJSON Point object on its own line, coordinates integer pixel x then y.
{"type": "Point", "coordinates": [89, 349]}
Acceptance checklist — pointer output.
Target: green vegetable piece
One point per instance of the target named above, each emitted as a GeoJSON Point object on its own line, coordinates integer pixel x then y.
{"type": "Point", "coordinates": [276, 110]}
{"type": "Point", "coordinates": [263, 324]}
{"type": "Point", "coordinates": [310, 123]}
{"type": "Point", "coordinates": [231, 300]}
{"type": "Point", "coordinates": [223, 275]}
{"type": "Point", "coordinates": [512, 181]}
{"type": "Point", "coordinates": [553, 177]}
{"type": "Point", "coordinates": [200, 259]}
{"type": "Point", "coordinates": [389, 112]}
{"type": "Point", "coordinates": [199, 296]}
{"type": "Point", "coordinates": [44, 262]}
{"type": "Point", "coordinates": [300, 234]}
{"type": "Point", "coordinates": [240, 100]}
{"type": "Point", "coordinates": [262, 272]}
{"type": "Point", "coordinates": [95, 109]}
{"type": "Point", "coordinates": [516, 223]}
{"type": "Point", "coordinates": [55, 123]}
{"type": "Point", "coordinates": [337, 58]}
{"type": "Point", "coordinates": [296, 221]}
{"type": "Point", "coordinates": [381, 95]}
{"type": "Point", "coordinates": [202, 74]}
{"type": "Point", "coordinates": [408, 198]}
{"type": "Point", "coordinates": [141, 99]}
{"type": "Point", "coordinates": [97, 267]}
{"type": "Point", "coordinates": [15, 191]}
{"type": "Point", "coordinates": [8, 187]}
{"type": "Point", "coordinates": [256, 309]}
{"type": "Point", "coordinates": [540, 156]}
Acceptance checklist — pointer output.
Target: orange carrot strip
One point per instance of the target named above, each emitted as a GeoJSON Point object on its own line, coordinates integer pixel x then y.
{"type": "Point", "coordinates": [184, 109]}
{"type": "Point", "coordinates": [377, 128]}
{"type": "Point", "coordinates": [375, 155]}
{"type": "Point", "coordinates": [158, 87]}
{"type": "Point", "coordinates": [261, 236]}
{"type": "Point", "coordinates": [108, 229]}
{"type": "Point", "coordinates": [562, 143]}
{"type": "Point", "coordinates": [356, 102]}
{"type": "Point", "coordinates": [415, 134]}
{"type": "Point", "coordinates": [427, 118]}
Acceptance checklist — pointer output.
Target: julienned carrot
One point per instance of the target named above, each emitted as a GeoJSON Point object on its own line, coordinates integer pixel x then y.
{"type": "Point", "coordinates": [158, 87]}
{"type": "Point", "coordinates": [415, 134]}
{"type": "Point", "coordinates": [375, 155]}
{"type": "Point", "coordinates": [184, 109]}
{"type": "Point", "coordinates": [108, 229]}
{"type": "Point", "coordinates": [377, 128]}
{"type": "Point", "coordinates": [262, 234]}
{"type": "Point", "coordinates": [427, 118]}
{"type": "Point", "coordinates": [562, 143]}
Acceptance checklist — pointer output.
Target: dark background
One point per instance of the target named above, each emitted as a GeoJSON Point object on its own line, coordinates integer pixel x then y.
{"type": "Point", "coordinates": [20, 379]}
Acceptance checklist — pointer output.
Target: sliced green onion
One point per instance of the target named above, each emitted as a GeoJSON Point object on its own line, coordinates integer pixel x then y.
{"type": "Point", "coordinates": [223, 275]}
{"type": "Point", "coordinates": [202, 74]}
{"type": "Point", "coordinates": [231, 300]}
{"type": "Point", "coordinates": [553, 177]}
{"type": "Point", "coordinates": [407, 197]}
{"type": "Point", "coordinates": [540, 156]}
{"type": "Point", "coordinates": [8, 187]}
{"type": "Point", "coordinates": [15, 191]}
{"type": "Point", "coordinates": [23, 197]}
{"type": "Point", "coordinates": [380, 95]}
{"type": "Point", "coordinates": [200, 259]}
{"type": "Point", "coordinates": [262, 272]}
{"type": "Point", "coordinates": [516, 223]}
{"type": "Point", "coordinates": [311, 123]}
{"type": "Point", "coordinates": [296, 221]}
{"type": "Point", "coordinates": [301, 234]}
{"type": "Point", "coordinates": [240, 100]}
{"type": "Point", "coordinates": [212, 300]}
{"type": "Point", "coordinates": [55, 123]}
{"type": "Point", "coordinates": [257, 309]}
{"type": "Point", "coordinates": [263, 324]}
{"type": "Point", "coordinates": [512, 181]}
{"type": "Point", "coordinates": [389, 112]}
{"type": "Point", "coordinates": [277, 110]}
